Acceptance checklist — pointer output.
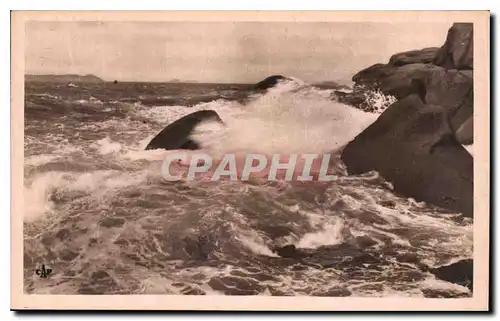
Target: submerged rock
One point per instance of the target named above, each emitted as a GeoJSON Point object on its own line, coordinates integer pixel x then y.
{"type": "Point", "coordinates": [177, 134]}
{"type": "Point", "coordinates": [461, 272]}
{"type": "Point", "coordinates": [412, 146]}
{"type": "Point", "coordinates": [270, 82]}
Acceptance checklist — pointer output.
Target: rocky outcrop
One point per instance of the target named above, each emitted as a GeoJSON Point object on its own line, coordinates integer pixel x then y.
{"type": "Point", "coordinates": [412, 145]}
{"type": "Point", "coordinates": [457, 52]}
{"type": "Point", "coordinates": [424, 56]}
{"type": "Point", "coordinates": [416, 143]}
{"type": "Point", "coordinates": [270, 82]}
{"type": "Point", "coordinates": [461, 272]}
{"type": "Point", "coordinates": [177, 134]}
{"type": "Point", "coordinates": [440, 76]}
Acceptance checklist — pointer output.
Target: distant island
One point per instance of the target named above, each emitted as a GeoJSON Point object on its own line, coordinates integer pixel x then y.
{"type": "Point", "coordinates": [63, 78]}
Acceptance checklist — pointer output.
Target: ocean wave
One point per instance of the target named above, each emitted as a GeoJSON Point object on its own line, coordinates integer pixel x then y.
{"type": "Point", "coordinates": [113, 225]}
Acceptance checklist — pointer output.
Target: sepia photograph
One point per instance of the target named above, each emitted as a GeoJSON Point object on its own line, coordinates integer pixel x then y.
{"type": "Point", "coordinates": [250, 160]}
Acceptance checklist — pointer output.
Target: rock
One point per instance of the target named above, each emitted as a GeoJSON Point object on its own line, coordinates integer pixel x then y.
{"type": "Point", "coordinates": [270, 82]}
{"type": "Point", "coordinates": [457, 52]}
{"type": "Point", "coordinates": [461, 272]}
{"type": "Point", "coordinates": [289, 251]}
{"type": "Point", "coordinates": [176, 135]}
{"type": "Point", "coordinates": [423, 56]}
{"type": "Point", "coordinates": [363, 98]}
{"type": "Point", "coordinates": [465, 133]}
{"type": "Point", "coordinates": [395, 81]}
{"type": "Point", "coordinates": [448, 88]}
{"type": "Point", "coordinates": [371, 76]}
{"type": "Point", "coordinates": [412, 146]}
{"type": "Point", "coordinates": [403, 81]}
{"type": "Point", "coordinates": [451, 89]}
{"type": "Point", "coordinates": [355, 98]}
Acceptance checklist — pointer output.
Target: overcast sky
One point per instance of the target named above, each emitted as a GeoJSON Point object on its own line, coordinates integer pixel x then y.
{"type": "Point", "coordinates": [243, 52]}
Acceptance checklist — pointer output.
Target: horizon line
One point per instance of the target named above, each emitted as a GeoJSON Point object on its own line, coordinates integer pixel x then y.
{"type": "Point", "coordinates": [174, 80]}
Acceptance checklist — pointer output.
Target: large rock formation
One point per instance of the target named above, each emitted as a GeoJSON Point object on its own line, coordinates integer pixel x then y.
{"type": "Point", "coordinates": [441, 76]}
{"type": "Point", "coordinates": [412, 145]}
{"type": "Point", "coordinates": [465, 133]}
{"type": "Point", "coordinates": [461, 272]}
{"type": "Point", "coordinates": [177, 134]}
{"type": "Point", "coordinates": [457, 52]}
{"type": "Point", "coordinates": [416, 143]}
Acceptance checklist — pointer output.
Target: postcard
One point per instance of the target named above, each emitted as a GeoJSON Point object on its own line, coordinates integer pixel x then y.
{"type": "Point", "coordinates": [285, 161]}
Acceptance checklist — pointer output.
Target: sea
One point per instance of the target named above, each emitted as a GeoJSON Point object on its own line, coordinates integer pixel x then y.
{"type": "Point", "coordinates": [100, 215]}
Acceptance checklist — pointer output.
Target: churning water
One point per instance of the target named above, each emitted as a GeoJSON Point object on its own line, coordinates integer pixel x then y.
{"type": "Point", "coordinates": [99, 213]}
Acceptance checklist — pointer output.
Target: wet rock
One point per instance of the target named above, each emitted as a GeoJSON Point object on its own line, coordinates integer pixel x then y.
{"type": "Point", "coordinates": [412, 146]}
{"type": "Point", "coordinates": [176, 135]}
{"type": "Point", "coordinates": [405, 80]}
{"type": "Point", "coordinates": [458, 50]}
{"type": "Point", "coordinates": [461, 272]}
{"type": "Point", "coordinates": [423, 56]}
{"type": "Point", "coordinates": [112, 222]}
{"type": "Point", "coordinates": [446, 80]}
{"type": "Point", "coordinates": [370, 77]}
{"type": "Point", "coordinates": [451, 89]}
{"type": "Point", "coordinates": [361, 97]}
{"type": "Point", "coordinates": [67, 255]}
{"type": "Point", "coordinates": [289, 251]}
{"type": "Point", "coordinates": [270, 82]}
